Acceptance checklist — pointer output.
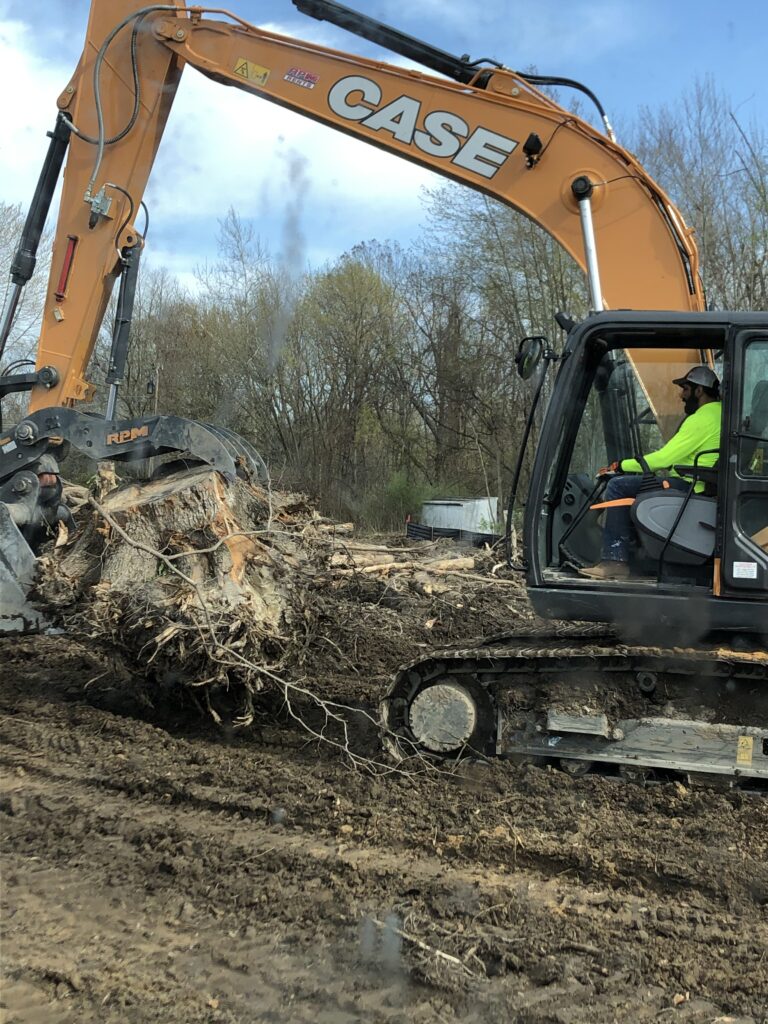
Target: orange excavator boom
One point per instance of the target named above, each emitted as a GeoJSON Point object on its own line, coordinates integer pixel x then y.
{"type": "Point", "coordinates": [494, 132]}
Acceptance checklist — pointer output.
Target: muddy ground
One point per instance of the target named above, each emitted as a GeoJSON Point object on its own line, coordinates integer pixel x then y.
{"type": "Point", "coordinates": [158, 868]}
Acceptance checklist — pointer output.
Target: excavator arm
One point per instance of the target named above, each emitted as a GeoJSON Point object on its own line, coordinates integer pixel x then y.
{"type": "Point", "coordinates": [493, 131]}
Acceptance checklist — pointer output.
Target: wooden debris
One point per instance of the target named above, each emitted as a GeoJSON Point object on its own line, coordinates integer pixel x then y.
{"type": "Point", "coordinates": [193, 583]}
{"type": "Point", "coordinates": [437, 566]}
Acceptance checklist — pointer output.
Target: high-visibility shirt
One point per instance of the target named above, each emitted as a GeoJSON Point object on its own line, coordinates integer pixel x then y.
{"type": "Point", "coordinates": [699, 432]}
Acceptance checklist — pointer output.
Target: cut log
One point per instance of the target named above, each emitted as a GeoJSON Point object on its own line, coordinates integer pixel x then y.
{"type": "Point", "coordinates": [362, 557]}
{"type": "Point", "coordinates": [376, 564]}
{"type": "Point", "coordinates": [337, 529]}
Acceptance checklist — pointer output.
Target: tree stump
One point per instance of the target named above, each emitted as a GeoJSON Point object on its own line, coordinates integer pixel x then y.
{"type": "Point", "coordinates": [191, 583]}
{"type": "Point", "coordinates": [190, 579]}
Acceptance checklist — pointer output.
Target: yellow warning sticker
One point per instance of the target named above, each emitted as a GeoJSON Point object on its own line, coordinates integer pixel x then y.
{"type": "Point", "coordinates": [744, 745]}
{"type": "Point", "coordinates": [251, 72]}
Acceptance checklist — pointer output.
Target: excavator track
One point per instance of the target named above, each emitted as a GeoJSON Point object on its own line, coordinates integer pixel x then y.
{"type": "Point", "coordinates": [582, 699]}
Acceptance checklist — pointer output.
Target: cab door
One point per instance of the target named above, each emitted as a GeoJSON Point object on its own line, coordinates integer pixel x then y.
{"type": "Point", "coordinates": [744, 468]}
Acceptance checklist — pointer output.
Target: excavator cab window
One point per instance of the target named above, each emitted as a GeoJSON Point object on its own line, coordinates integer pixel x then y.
{"type": "Point", "coordinates": [754, 447]}
{"type": "Point", "coordinates": [619, 401]}
{"type": "Point", "coordinates": [744, 564]}
{"type": "Point", "coordinates": [616, 418]}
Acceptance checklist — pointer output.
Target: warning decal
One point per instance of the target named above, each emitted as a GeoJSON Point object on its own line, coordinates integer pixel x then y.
{"type": "Point", "coordinates": [744, 747]}
{"type": "Point", "coordinates": [745, 570]}
{"type": "Point", "coordinates": [251, 72]}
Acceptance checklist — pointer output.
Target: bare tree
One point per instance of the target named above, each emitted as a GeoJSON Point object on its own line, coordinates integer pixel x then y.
{"type": "Point", "coordinates": [716, 170]}
{"type": "Point", "coordinates": [23, 338]}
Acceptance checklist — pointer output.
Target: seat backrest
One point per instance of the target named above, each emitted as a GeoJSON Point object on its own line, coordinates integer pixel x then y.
{"type": "Point", "coordinates": [655, 513]}
{"type": "Point", "coordinates": [756, 424]}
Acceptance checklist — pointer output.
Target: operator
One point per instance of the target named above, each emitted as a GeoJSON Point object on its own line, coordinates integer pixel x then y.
{"type": "Point", "coordinates": [699, 432]}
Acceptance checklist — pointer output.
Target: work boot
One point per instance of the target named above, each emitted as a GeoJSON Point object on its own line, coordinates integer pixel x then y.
{"type": "Point", "coordinates": [607, 571]}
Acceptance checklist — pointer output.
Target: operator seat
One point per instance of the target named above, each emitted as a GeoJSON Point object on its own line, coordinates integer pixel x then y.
{"type": "Point", "coordinates": [658, 511]}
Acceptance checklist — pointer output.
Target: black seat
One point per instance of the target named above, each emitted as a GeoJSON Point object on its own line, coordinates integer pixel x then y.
{"type": "Point", "coordinates": [690, 518]}
{"type": "Point", "coordinates": [654, 514]}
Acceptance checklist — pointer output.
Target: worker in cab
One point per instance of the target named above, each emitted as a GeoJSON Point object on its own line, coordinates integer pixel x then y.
{"type": "Point", "coordinates": [699, 432]}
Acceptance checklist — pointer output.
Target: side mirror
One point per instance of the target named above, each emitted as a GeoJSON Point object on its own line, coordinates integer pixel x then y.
{"type": "Point", "coordinates": [529, 355]}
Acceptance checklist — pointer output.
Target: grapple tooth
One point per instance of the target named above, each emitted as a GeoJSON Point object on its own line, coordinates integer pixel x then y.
{"type": "Point", "coordinates": [250, 464]}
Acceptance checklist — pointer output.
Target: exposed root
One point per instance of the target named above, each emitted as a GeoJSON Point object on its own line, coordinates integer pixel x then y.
{"type": "Point", "coordinates": [233, 594]}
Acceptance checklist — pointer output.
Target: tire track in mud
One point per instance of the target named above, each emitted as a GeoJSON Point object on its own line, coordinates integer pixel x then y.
{"type": "Point", "coordinates": [587, 869]}
{"type": "Point", "coordinates": [149, 849]}
{"type": "Point", "coordinates": [549, 891]}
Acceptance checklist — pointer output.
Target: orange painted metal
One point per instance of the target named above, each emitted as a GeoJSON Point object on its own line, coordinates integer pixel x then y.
{"type": "Point", "coordinates": [639, 232]}
{"type": "Point", "coordinates": [616, 503]}
{"type": "Point", "coordinates": [71, 322]}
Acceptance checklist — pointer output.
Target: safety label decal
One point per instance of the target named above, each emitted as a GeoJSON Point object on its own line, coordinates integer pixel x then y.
{"type": "Point", "coordinates": [745, 570]}
{"type": "Point", "coordinates": [744, 746]}
{"type": "Point", "coordinates": [251, 72]}
{"type": "Point", "coordinates": [306, 79]}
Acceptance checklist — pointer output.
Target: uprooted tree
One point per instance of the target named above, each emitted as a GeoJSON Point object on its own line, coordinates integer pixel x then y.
{"type": "Point", "coordinates": [232, 592]}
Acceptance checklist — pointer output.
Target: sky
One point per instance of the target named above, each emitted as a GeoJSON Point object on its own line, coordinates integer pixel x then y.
{"type": "Point", "coordinates": [312, 193]}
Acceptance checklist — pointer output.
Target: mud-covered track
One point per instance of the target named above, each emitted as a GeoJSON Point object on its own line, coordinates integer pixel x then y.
{"type": "Point", "coordinates": [582, 697]}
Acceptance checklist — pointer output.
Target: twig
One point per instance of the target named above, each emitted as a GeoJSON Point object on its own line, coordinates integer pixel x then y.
{"type": "Point", "coordinates": [454, 960]}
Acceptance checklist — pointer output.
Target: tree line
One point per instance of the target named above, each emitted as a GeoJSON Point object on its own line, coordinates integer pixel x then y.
{"type": "Point", "coordinates": [388, 375]}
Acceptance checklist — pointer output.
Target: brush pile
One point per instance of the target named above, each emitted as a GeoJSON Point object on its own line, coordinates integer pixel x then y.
{"type": "Point", "coordinates": [194, 583]}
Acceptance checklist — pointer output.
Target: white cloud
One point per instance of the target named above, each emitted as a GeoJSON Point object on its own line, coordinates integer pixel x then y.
{"type": "Point", "coordinates": [31, 84]}
{"type": "Point", "coordinates": [223, 148]}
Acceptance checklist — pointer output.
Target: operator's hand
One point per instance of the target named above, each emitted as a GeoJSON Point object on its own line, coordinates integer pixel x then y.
{"type": "Point", "coordinates": [611, 470]}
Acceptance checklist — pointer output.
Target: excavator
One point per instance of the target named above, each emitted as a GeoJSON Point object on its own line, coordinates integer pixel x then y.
{"type": "Point", "coordinates": [664, 672]}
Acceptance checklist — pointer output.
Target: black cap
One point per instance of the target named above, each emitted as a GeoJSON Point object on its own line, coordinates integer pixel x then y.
{"type": "Point", "coordinates": [701, 376]}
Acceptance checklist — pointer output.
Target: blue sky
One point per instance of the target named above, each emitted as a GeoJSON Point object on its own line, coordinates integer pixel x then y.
{"type": "Point", "coordinates": [630, 53]}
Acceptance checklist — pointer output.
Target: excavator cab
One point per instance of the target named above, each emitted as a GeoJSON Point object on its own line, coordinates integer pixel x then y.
{"type": "Point", "coordinates": [663, 673]}
{"type": "Point", "coordinates": [707, 542]}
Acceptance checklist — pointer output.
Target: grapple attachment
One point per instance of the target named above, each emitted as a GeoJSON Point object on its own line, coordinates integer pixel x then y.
{"type": "Point", "coordinates": [31, 506]}
{"type": "Point", "coordinates": [17, 573]}
{"type": "Point", "coordinates": [129, 440]}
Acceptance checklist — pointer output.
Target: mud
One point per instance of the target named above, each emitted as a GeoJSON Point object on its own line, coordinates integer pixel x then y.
{"type": "Point", "coordinates": [156, 868]}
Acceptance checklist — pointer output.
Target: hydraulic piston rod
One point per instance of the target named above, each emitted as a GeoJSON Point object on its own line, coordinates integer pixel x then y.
{"type": "Point", "coordinates": [26, 255]}
{"type": "Point", "coordinates": [582, 189]}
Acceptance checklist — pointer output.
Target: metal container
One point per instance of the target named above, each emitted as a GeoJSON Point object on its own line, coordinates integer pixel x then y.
{"type": "Point", "coordinates": [471, 515]}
